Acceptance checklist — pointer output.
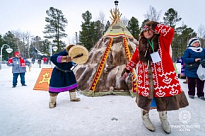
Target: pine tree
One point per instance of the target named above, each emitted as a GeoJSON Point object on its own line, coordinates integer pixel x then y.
{"type": "Point", "coordinates": [107, 26]}
{"type": "Point", "coordinates": [45, 46]}
{"type": "Point", "coordinates": [55, 29]}
{"type": "Point", "coordinates": [99, 27]}
{"type": "Point", "coordinates": [88, 31]}
{"type": "Point", "coordinates": [133, 27]}
{"type": "Point", "coordinates": [181, 37]}
{"type": "Point", "coordinates": [171, 17]}
{"type": "Point", "coordinates": [8, 39]}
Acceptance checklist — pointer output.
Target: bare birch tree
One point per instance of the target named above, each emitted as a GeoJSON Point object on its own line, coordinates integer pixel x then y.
{"type": "Point", "coordinates": [152, 14]}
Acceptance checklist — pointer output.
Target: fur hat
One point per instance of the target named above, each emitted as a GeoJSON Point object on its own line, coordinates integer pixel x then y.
{"type": "Point", "coordinates": [193, 40]}
{"type": "Point", "coordinates": [16, 53]}
{"type": "Point", "coordinates": [149, 25]}
{"type": "Point", "coordinates": [68, 47]}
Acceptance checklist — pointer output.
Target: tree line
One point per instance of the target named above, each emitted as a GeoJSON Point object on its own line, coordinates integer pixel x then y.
{"type": "Point", "coordinates": [92, 31]}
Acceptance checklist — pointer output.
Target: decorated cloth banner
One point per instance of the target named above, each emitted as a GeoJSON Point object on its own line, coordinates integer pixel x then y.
{"type": "Point", "coordinates": [127, 51]}
{"type": "Point", "coordinates": [101, 66]}
{"type": "Point", "coordinates": [43, 80]}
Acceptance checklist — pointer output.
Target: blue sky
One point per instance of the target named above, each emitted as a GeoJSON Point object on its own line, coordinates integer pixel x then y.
{"type": "Point", "coordinates": [29, 15]}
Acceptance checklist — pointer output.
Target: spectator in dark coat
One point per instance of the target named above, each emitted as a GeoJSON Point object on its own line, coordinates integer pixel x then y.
{"type": "Point", "coordinates": [39, 62]}
{"type": "Point", "coordinates": [193, 54]}
{"type": "Point", "coordinates": [33, 60]}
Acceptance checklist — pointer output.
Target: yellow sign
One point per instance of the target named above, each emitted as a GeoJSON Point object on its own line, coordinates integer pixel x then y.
{"type": "Point", "coordinates": [43, 80]}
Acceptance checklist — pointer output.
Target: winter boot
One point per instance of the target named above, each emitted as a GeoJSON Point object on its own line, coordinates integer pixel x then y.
{"type": "Point", "coordinates": [165, 124]}
{"type": "Point", "coordinates": [52, 102]}
{"type": "Point", "coordinates": [73, 97]}
{"type": "Point", "coordinates": [145, 118]}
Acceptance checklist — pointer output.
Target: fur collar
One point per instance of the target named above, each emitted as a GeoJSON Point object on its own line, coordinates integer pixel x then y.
{"type": "Point", "coordinates": [145, 49]}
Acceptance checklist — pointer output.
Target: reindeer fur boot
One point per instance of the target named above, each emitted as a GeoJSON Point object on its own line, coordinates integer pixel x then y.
{"type": "Point", "coordinates": [73, 97]}
{"type": "Point", "coordinates": [52, 102]}
{"type": "Point", "coordinates": [145, 118]}
{"type": "Point", "coordinates": [165, 124]}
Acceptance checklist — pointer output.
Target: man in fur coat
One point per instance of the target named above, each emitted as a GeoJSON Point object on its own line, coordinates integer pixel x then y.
{"type": "Point", "coordinates": [158, 84]}
{"type": "Point", "coordinates": [62, 78]}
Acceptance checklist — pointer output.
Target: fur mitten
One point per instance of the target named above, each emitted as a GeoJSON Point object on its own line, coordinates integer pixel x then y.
{"type": "Point", "coordinates": [125, 70]}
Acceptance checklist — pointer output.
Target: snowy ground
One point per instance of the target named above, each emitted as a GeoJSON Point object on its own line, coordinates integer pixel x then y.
{"type": "Point", "coordinates": [25, 112]}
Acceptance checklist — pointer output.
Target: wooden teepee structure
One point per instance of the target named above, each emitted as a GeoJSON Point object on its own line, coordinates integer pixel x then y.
{"type": "Point", "coordinates": [101, 74]}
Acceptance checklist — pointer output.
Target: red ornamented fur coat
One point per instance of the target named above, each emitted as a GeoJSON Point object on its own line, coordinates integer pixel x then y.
{"type": "Point", "coordinates": [165, 79]}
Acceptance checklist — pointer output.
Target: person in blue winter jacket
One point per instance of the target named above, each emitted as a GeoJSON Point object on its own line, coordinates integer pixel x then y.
{"type": "Point", "coordinates": [62, 78]}
{"type": "Point", "coordinates": [18, 64]}
{"type": "Point", "coordinates": [194, 54]}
